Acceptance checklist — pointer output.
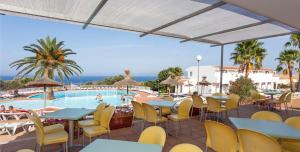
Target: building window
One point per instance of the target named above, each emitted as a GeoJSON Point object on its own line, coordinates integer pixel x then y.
{"type": "Point", "coordinates": [191, 74]}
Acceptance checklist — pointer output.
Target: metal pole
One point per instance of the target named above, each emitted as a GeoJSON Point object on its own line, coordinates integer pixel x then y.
{"type": "Point", "coordinates": [198, 79]}
{"type": "Point", "coordinates": [221, 68]}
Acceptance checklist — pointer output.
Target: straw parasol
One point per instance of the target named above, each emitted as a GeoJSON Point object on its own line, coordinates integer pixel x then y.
{"type": "Point", "coordinates": [127, 81]}
{"type": "Point", "coordinates": [203, 83]}
{"type": "Point", "coordinates": [43, 82]}
{"type": "Point", "coordinates": [172, 82]}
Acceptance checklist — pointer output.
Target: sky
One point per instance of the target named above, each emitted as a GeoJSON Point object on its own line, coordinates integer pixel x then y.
{"type": "Point", "coordinates": [104, 52]}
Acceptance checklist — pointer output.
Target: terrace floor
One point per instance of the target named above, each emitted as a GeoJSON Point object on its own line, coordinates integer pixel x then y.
{"type": "Point", "coordinates": [27, 140]}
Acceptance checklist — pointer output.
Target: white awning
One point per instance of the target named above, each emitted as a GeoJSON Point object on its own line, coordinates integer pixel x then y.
{"type": "Point", "coordinates": [209, 21]}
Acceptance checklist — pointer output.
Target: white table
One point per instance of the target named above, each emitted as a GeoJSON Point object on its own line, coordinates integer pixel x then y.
{"type": "Point", "coordinates": [106, 145]}
{"type": "Point", "coordinates": [70, 114]}
{"type": "Point", "coordinates": [274, 129]}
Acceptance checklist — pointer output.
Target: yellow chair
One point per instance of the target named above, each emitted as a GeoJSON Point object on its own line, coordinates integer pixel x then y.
{"type": "Point", "coordinates": [233, 103]}
{"type": "Point", "coordinates": [183, 113]}
{"type": "Point", "coordinates": [281, 100]}
{"type": "Point", "coordinates": [186, 148]}
{"type": "Point", "coordinates": [288, 99]}
{"type": "Point", "coordinates": [199, 103]}
{"type": "Point", "coordinates": [138, 112]}
{"type": "Point", "coordinates": [43, 138]}
{"type": "Point", "coordinates": [25, 150]}
{"type": "Point", "coordinates": [251, 141]}
{"type": "Point", "coordinates": [46, 129]}
{"type": "Point", "coordinates": [220, 137]}
{"type": "Point", "coordinates": [266, 115]}
{"type": "Point", "coordinates": [218, 94]}
{"type": "Point", "coordinates": [167, 110]}
{"type": "Point", "coordinates": [214, 105]}
{"type": "Point", "coordinates": [258, 98]}
{"type": "Point", "coordinates": [103, 127]}
{"type": "Point", "coordinates": [290, 144]}
{"type": "Point", "coordinates": [92, 122]}
{"type": "Point", "coordinates": [153, 135]}
{"type": "Point", "coordinates": [151, 115]}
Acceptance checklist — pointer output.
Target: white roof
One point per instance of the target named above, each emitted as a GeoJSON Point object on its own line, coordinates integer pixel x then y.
{"type": "Point", "coordinates": [210, 21]}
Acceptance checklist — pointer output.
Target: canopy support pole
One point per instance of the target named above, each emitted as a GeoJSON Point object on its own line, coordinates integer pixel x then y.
{"type": "Point", "coordinates": [95, 12]}
{"type": "Point", "coordinates": [221, 68]}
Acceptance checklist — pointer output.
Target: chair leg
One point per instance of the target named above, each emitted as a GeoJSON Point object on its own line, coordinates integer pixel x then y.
{"type": "Point", "coordinates": [67, 147]}
{"type": "Point", "coordinates": [83, 139]}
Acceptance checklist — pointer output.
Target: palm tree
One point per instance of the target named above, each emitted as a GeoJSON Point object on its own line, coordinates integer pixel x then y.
{"type": "Point", "coordinates": [249, 55]}
{"type": "Point", "coordinates": [294, 43]}
{"type": "Point", "coordinates": [286, 60]}
{"type": "Point", "coordinates": [49, 59]}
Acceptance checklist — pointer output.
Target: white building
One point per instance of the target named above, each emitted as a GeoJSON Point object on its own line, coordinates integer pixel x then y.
{"type": "Point", "coordinates": [264, 78]}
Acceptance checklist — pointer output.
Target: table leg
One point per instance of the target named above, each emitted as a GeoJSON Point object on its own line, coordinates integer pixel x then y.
{"type": "Point", "coordinates": [71, 132]}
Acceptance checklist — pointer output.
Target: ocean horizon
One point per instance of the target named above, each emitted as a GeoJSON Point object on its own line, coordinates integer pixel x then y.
{"type": "Point", "coordinates": [84, 79]}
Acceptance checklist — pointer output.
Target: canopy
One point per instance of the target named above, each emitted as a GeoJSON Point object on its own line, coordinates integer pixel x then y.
{"type": "Point", "coordinates": [127, 81]}
{"type": "Point", "coordinates": [209, 21]}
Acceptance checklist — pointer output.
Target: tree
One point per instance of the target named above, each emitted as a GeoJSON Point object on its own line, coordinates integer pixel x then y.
{"type": "Point", "coordinates": [249, 55]}
{"type": "Point", "coordinates": [242, 87]}
{"type": "Point", "coordinates": [173, 71]}
{"type": "Point", "coordinates": [294, 43]}
{"type": "Point", "coordinates": [286, 60]}
{"type": "Point", "coordinates": [49, 59]}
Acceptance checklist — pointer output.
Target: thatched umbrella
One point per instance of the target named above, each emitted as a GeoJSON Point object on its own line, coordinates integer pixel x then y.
{"type": "Point", "coordinates": [203, 83]}
{"type": "Point", "coordinates": [127, 81]}
{"type": "Point", "coordinates": [43, 82]}
{"type": "Point", "coordinates": [172, 82]}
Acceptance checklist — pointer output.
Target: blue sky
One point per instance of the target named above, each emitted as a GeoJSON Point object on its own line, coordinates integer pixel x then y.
{"type": "Point", "coordinates": [108, 51]}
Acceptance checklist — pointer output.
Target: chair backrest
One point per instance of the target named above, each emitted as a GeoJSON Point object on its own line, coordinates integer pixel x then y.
{"type": "Point", "coordinates": [251, 141]}
{"type": "Point", "coordinates": [220, 137]}
{"type": "Point", "coordinates": [138, 110]}
{"type": "Point", "coordinates": [150, 113]}
{"type": "Point", "coordinates": [266, 115]}
{"type": "Point", "coordinates": [233, 101]}
{"type": "Point", "coordinates": [106, 116]}
{"type": "Point", "coordinates": [153, 135]}
{"type": "Point", "coordinates": [186, 148]}
{"type": "Point", "coordinates": [98, 112]}
{"type": "Point", "coordinates": [185, 108]}
{"type": "Point", "coordinates": [288, 97]}
{"type": "Point", "coordinates": [39, 128]}
{"type": "Point", "coordinates": [254, 95]}
{"type": "Point", "coordinates": [197, 101]}
{"type": "Point", "coordinates": [36, 116]}
{"type": "Point", "coordinates": [218, 94]}
{"type": "Point", "coordinates": [213, 104]}
{"type": "Point", "coordinates": [283, 97]}
{"type": "Point", "coordinates": [168, 98]}
{"type": "Point", "coordinates": [293, 122]}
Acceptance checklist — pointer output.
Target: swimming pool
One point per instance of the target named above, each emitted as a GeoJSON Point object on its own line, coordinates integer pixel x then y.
{"type": "Point", "coordinates": [71, 99]}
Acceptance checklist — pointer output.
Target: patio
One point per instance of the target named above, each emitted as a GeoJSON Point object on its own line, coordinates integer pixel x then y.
{"type": "Point", "coordinates": [27, 140]}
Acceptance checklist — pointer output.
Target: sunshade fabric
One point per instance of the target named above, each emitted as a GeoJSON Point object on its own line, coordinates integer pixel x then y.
{"type": "Point", "coordinates": [146, 15]}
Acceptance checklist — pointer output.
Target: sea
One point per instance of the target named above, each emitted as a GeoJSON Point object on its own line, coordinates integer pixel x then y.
{"type": "Point", "coordinates": [83, 79]}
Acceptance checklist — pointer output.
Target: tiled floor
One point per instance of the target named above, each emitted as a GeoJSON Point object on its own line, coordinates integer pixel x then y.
{"type": "Point", "coordinates": [192, 132]}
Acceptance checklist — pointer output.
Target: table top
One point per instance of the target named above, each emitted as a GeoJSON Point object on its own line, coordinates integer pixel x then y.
{"type": "Point", "coordinates": [223, 98]}
{"type": "Point", "coordinates": [69, 113]}
{"type": "Point", "coordinates": [274, 129]}
{"type": "Point", "coordinates": [271, 92]}
{"type": "Point", "coordinates": [106, 145]}
{"type": "Point", "coordinates": [161, 103]}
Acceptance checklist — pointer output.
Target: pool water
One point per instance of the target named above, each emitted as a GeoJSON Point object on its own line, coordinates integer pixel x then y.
{"type": "Point", "coordinates": [72, 99]}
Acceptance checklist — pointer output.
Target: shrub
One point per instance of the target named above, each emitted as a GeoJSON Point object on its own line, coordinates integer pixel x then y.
{"type": "Point", "coordinates": [242, 86]}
